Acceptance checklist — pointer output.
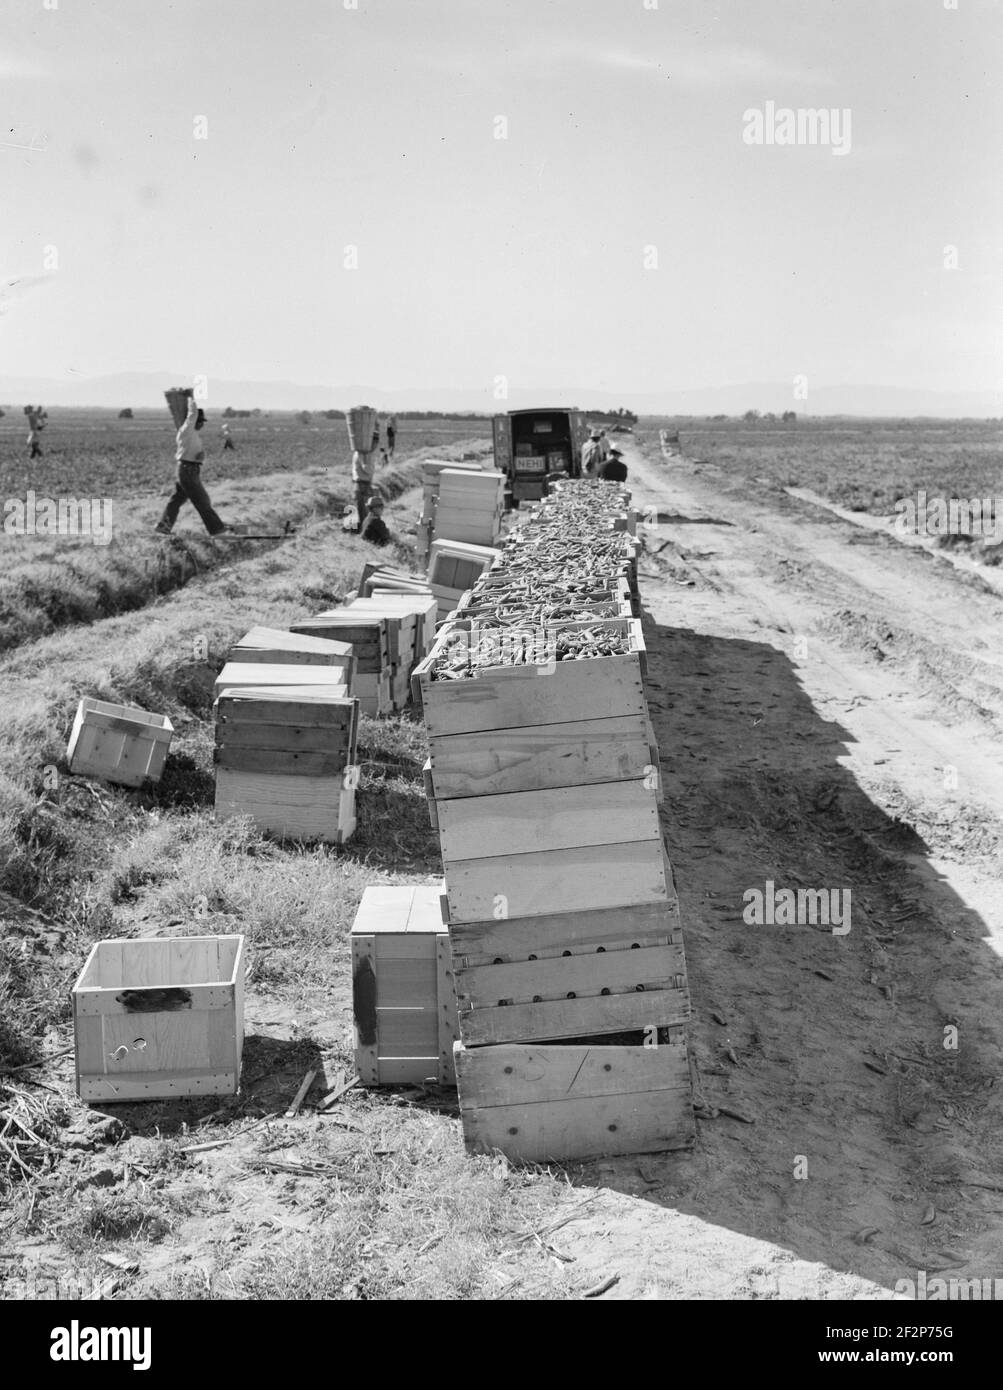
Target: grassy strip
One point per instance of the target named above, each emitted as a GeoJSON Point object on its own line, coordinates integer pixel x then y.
{"type": "Point", "coordinates": [78, 582]}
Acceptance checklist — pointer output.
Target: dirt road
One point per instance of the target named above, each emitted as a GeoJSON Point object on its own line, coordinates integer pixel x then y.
{"type": "Point", "coordinates": [828, 707]}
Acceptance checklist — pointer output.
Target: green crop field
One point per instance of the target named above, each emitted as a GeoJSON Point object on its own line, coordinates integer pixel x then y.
{"type": "Point", "coordinates": [281, 470]}
{"type": "Point", "coordinates": [866, 465]}
{"type": "Point", "coordinates": [94, 454]}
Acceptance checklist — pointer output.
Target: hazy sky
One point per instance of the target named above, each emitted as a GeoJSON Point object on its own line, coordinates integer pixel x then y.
{"type": "Point", "coordinates": [375, 127]}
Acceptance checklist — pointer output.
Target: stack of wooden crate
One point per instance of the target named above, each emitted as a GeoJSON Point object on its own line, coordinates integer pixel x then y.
{"type": "Point", "coordinates": [285, 756]}
{"type": "Point", "coordinates": [410, 622]}
{"type": "Point", "coordinates": [370, 640]}
{"type": "Point", "coordinates": [562, 914]}
{"type": "Point", "coordinates": [431, 472]}
{"type": "Point", "coordinates": [469, 506]}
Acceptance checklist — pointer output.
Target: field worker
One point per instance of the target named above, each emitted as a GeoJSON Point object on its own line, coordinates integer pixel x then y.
{"type": "Point", "coordinates": [363, 473]}
{"type": "Point", "coordinates": [604, 445]}
{"type": "Point", "coordinates": [391, 434]}
{"type": "Point", "coordinates": [227, 441]}
{"type": "Point", "coordinates": [614, 469]}
{"type": "Point", "coordinates": [36, 424]}
{"type": "Point", "coordinates": [374, 528]}
{"type": "Point", "coordinates": [189, 488]}
{"type": "Point", "coordinates": [591, 455]}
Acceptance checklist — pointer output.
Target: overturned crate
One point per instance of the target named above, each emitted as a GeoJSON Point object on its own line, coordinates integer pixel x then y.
{"type": "Point", "coordinates": [118, 743]}
{"type": "Point", "coordinates": [404, 1001]}
{"type": "Point", "coordinates": [155, 1019]}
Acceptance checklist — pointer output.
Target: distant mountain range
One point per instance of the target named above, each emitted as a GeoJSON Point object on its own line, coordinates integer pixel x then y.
{"type": "Point", "coordinates": [144, 389]}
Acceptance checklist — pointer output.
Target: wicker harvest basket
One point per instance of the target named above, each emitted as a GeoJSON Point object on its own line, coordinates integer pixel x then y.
{"type": "Point", "coordinates": [177, 403]}
{"type": "Point", "coordinates": [361, 421]}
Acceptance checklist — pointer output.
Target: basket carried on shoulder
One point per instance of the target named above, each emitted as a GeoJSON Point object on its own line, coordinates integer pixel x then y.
{"type": "Point", "coordinates": [361, 420]}
{"type": "Point", "coordinates": [177, 403]}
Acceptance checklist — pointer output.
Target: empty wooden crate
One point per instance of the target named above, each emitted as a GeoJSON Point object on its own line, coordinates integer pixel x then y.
{"type": "Point", "coordinates": [402, 987]}
{"type": "Point", "coordinates": [550, 1103]}
{"type": "Point", "coordinates": [157, 1019]}
{"type": "Point", "coordinates": [118, 743]}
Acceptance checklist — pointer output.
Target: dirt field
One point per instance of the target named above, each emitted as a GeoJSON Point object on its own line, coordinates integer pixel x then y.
{"type": "Point", "coordinates": [827, 705]}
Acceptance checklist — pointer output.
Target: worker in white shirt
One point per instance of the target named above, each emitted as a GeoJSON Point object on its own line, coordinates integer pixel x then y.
{"type": "Point", "coordinates": [190, 455]}
{"type": "Point", "coordinates": [591, 455]}
{"type": "Point", "coordinates": [227, 441]}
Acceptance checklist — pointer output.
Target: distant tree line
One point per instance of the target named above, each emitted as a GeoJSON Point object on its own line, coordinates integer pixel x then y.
{"type": "Point", "coordinates": [616, 417]}
{"type": "Point", "coordinates": [789, 417]}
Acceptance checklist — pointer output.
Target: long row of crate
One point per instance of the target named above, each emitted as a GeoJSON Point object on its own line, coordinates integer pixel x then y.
{"type": "Point", "coordinates": [544, 786]}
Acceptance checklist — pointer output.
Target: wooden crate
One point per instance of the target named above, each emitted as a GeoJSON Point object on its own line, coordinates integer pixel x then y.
{"type": "Point", "coordinates": [159, 1018]}
{"type": "Point", "coordinates": [236, 675]}
{"type": "Point", "coordinates": [540, 1104]}
{"type": "Point", "coordinates": [513, 824]}
{"type": "Point", "coordinates": [570, 975]}
{"type": "Point", "coordinates": [403, 997]}
{"type": "Point", "coordinates": [375, 693]}
{"type": "Point", "coordinates": [285, 756]}
{"type": "Point", "coordinates": [118, 743]}
{"type": "Point", "coordinates": [504, 941]}
{"type": "Point", "coordinates": [291, 805]}
{"type": "Point", "coordinates": [368, 636]}
{"type": "Point", "coordinates": [505, 697]}
{"type": "Point", "coordinates": [544, 755]}
{"type": "Point", "coordinates": [457, 564]}
{"type": "Point", "coordinates": [284, 737]}
{"type": "Point", "coordinates": [273, 645]}
{"type": "Point", "coordinates": [578, 879]}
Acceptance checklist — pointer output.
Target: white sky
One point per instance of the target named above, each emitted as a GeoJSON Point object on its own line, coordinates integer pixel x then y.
{"type": "Point", "coordinates": [480, 256]}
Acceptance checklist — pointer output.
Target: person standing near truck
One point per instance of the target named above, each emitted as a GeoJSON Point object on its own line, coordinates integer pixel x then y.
{"type": "Point", "coordinates": [190, 455]}
{"type": "Point", "coordinates": [592, 455]}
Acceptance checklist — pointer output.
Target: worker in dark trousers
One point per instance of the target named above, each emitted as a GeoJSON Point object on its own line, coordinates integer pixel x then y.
{"type": "Point", "coordinates": [228, 443]}
{"type": "Point", "coordinates": [374, 528]}
{"type": "Point", "coordinates": [37, 420]}
{"type": "Point", "coordinates": [391, 434]}
{"type": "Point", "coordinates": [614, 469]}
{"type": "Point", "coordinates": [190, 455]}
{"type": "Point", "coordinates": [363, 473]}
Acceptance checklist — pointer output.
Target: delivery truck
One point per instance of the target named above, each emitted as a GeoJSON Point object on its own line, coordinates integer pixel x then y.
{"type": "Point", "coordinates": [532, 446]}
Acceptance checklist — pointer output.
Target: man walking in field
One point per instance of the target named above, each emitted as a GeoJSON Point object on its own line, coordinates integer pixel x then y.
{"type": "Point", "coordinates": [190, 455]}
{"type": "Point", "coordinates": [227, 441]}
{"type": "Point", "coordinates": [363, 473]}
{"type": "Point", "coordinates": [36, 423]}
{"type": "Point", "coordinates": [391, 434]}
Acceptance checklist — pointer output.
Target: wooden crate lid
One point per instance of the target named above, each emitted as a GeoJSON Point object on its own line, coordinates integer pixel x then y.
{"type": "Point", "coordinates": [275, 638]}
{"type": "Point", "coordinates": [399, 909]}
